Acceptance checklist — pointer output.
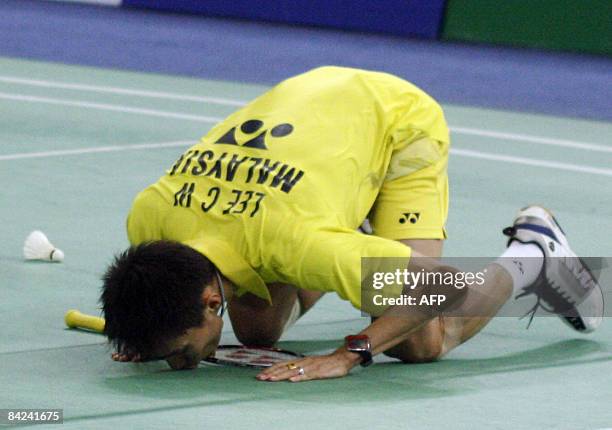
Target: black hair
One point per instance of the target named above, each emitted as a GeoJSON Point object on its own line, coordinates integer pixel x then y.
{"type": "Point", "coordinates": [152, 293]}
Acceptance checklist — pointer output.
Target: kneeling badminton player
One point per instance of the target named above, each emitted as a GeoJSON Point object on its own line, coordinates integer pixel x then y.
{"type": "Point", "coordinates": [263, 214]}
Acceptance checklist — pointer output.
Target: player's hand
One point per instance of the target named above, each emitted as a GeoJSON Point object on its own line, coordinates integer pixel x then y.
{"type": "Point", "coordinates": [335, 365]}
{"type": "Point", "coordinates": [118, 356]}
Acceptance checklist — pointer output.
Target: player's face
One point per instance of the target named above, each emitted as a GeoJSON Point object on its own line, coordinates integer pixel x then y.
{"type": "Point", "coordinates": [186, 351]}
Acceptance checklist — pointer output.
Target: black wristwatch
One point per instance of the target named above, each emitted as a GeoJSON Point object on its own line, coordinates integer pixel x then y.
{"type": "Point", "coordinates": [361, 345]}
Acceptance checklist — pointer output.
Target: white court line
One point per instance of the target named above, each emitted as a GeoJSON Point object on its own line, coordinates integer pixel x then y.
{"type": "Point", "coordinates": [98, 2]}
{"type": "Point", "coordinates": [531, 139]}
{"type": "Point", "coordinates": [206, 119]}
{"type": "Point", "coordinates": [231, 102]}
{"type": "Point", "coordinates": [94, 149]}
{"type": "Point", "coordinates": [124, 91]}
{"type": "Point", "coordinates": [531, 162]}
{"type": "Point", "coordinates": [460, 152]}
{"type": "Point", "coordinates": [109, 107]}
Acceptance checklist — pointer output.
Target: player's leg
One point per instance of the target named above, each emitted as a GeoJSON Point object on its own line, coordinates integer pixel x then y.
{"type": "Point", "coordinates": [427, 343]}
{"type": "Point", "coordinates": [444, 333]}
{"type": "Point", "coordinates": [412, 208]}
{"type": "Point", "coordinates": [538, 262]}
{"type": "Point", "coordinates": [256, 323]}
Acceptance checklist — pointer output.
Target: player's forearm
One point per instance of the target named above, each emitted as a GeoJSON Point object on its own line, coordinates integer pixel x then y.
{"type": "Point", "coordinates": [398, 322]}
{"type": "Point", "coordinates": [393, 327]}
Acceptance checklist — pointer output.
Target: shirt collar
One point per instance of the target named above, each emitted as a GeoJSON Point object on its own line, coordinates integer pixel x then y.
{"type": "Point", "coordinates": [233, 266]}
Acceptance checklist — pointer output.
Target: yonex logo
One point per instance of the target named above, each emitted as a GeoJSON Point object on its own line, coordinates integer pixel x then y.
{"type": "Point", "coordinates": [411, 217]}
{"type": "Point", "coordinates": [253, 126]}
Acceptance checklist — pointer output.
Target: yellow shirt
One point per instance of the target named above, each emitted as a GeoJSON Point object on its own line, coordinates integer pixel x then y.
{"type": "Point", "coordinates": [275, 192]}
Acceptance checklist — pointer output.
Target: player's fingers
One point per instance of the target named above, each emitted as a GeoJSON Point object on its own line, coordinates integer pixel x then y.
{"type": "Point", "coordinates": [300, 378]}
{"type": "Point", "coordinates": [316, 372]}
{"type": "Point", "coordinates": [274, 370]}
{"type": "Point", "coordinates": [300, 370]}
{"type": "Point", "coordinates": [283, 375]}
{"type": "Point", "coordinates": [282, 371]}
{"type": "Point", "coordinates": [320, 368]}
{"type": "Point", "coordinates": [277, 374]}
{"type": "Point", "coordinates": [283, 365]}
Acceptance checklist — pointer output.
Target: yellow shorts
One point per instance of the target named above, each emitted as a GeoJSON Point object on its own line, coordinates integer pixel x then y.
{"type": "Point", "coordinates": [413, 200]}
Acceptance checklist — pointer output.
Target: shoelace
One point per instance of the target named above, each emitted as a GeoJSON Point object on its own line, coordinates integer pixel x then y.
{"type": "Point", "coordinates": [531, 312]}
{"type": "Point", "coordinates": [550, 297]}
{"type": "Point", "coordinates": [558, 300]}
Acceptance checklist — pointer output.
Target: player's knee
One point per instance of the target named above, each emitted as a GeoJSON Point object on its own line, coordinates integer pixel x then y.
{"type": "Point", "coordinates": [258, 338]}
{"type": "Point", "coordinates": [416, 355]}
{"type": "Point", "coordinates": [419, 349]}
{"type": "Point", "coordinates": [421, 356]}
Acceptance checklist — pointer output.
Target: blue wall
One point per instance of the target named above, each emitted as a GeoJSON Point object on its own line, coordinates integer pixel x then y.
{"type": "Point", "coordinates": [247, 51]}
{"type": "Point", "coordinates": [422, 18]}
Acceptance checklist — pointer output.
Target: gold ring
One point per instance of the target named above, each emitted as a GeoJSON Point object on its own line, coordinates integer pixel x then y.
{"type": "Point", "coordinates": [292, 366]}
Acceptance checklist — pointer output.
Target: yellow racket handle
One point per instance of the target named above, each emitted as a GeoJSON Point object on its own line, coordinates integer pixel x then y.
{"type": "Point", "coordinates": [76, 319]}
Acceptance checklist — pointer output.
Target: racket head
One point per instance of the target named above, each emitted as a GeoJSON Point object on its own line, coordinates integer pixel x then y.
{"type": "Point", "coordinates": [250, 356]}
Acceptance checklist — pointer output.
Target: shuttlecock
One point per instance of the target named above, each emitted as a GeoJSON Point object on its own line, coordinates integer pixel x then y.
{"type": "Point", "coordinates": [38, 247]}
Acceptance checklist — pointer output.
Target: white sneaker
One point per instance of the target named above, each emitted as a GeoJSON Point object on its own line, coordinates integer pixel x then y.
{"type": "Point", "coordinates": [565, 285]}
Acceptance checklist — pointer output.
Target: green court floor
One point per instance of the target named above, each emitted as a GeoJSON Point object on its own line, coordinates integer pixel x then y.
{"type": "Point", "coordinates": [76, 144]}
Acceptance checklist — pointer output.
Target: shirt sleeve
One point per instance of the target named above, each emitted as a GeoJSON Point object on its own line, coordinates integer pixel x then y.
{"type": "Point", "coordinates": [331, 260]}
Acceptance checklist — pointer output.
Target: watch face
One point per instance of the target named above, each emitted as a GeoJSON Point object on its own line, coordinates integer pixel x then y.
{"type": "Point", "coordinates": [358, 343]}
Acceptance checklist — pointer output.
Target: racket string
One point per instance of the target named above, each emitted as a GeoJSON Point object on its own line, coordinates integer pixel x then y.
{"type": "Point", "coordinates": [250, 356]}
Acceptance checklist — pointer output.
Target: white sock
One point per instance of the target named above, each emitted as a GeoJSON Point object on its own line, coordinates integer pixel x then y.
{"type": "Point", "coordinates": [523, 262]}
